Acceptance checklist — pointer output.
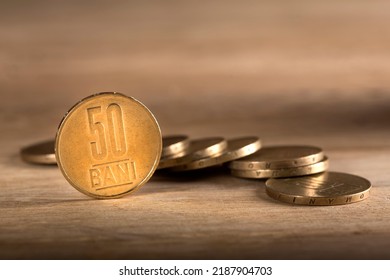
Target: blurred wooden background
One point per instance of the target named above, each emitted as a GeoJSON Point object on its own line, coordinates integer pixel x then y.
{"type": "Point", "coordinates": [292, 72]}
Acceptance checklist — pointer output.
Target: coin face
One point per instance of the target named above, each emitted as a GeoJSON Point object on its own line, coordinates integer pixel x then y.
{"type": "Point", "coordinates": [108, 145]}
{"type": "Point", "coordinates": [283, 172]}
{"type": "Point", "coordinates": [329, 188]}
{"type": "Point", "coordinates": [236, 148]}
{"type": "Point", "coordinates": [279, 157]}
{"type": "Point", "coordinates": [174, 144]}
{"type": "Point", "coordinates": [40, 153]}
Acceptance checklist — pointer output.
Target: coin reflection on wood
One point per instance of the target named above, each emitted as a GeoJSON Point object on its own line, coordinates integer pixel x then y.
{"type": "Point", "coordinates": [236, 148]}
{"type": "Point", "coordinates": [40, 153]}
{"type": "Point", "coordinates": [329, 188]}
{"type": "Point", "coordinates": [108, 145]}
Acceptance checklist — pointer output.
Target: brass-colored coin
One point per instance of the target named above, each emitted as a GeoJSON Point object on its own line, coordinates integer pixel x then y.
{"type": "Point", "coordinates": [236, 148]}
{"type": "Point", "coordinates": [283, 172]}
{"type": "Point", "coordinates": [108, 145]}
{"type": "Point", "coordinates": [174, 144]}
{"type": "Point", "coordinates": [40, 153]}
{"type": "Point", "coordinates": [168, 162]}
{"type": "Point", "coordinates": [276, 157]}
{"type": "Point", "coordinates": [329, 188]}
{"type": "Point", "coordinates": [200, 148]}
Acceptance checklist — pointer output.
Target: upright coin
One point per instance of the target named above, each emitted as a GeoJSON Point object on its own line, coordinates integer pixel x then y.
{"type": "Point", "coordinates": [40, 153]}
{"type": "Point", "coordinates": [108, 145]}
{"type": "Point", "coordinates": [329, 188]}
{"type": "Point", "coordinates": [279, 157]}
{"type": "Point", "coordinates": [236, 148]}
{"type": "Point", "coordinates": [314, 168]}
{"type": "Point", "coordinates": [198, 149]}
{"type": "Point", "coordinates": [174, 145]}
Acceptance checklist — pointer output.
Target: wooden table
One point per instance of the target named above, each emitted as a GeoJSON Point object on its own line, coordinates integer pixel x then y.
{"type": "Point", "coordinates": [292, 73]}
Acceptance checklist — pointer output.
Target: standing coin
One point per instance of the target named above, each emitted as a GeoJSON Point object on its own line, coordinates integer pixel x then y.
{"type": "Point", "coordinates": [279, 157]}
{"type": "Point", "coordinates": [200, 148]}
{"type": "Point", "coordinates": [40, 153]}
{"type": "Point", "coordinates": [329, 188]}
{"type": "Point", "coordinates": [283, 172]}
{"type": "Point", "coordinates": [173, 145]}
{"type": "Point", "coordinates": [108, 145]}
{"type": "Point", "coordinates": [236, 148]}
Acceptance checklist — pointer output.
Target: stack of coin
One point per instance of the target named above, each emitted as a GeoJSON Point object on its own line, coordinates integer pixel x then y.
{"type": "Point", "coordinates": [104, 152]}
{"type": "Point", "coordinates": [281, 161]}
{"type": "Point", "coordinates": [208, 152]}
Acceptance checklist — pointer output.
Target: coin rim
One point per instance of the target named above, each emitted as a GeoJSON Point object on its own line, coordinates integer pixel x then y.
{"type": "Point", "coordinates": [252, 174]}
{"type": "Point", "coordinates": [40, 159]}
{"type": "Point", "coordinates": [61, 125]}
{"type": "Point", "coordinates": [172, 162]}
{"type": "Point", "coordinates": [241, 164]}
{"type": "Point", "coordinates": [222, 158]}
{"type": "Point", "coordinates": [175, 148]}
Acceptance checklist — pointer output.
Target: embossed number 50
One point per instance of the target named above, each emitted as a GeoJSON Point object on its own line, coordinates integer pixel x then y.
{"type": "Point", "coordinates": [115, 130]}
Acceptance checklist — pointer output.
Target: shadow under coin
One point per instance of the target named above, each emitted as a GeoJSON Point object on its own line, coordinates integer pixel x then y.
{"type": "Point", "coordinates": [188, 176]}
{"type": "Point", "coordinates": [208, 178]}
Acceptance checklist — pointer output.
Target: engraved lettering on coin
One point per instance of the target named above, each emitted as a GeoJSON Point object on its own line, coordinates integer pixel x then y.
{"type": "Point", "coordinates": [329, 188]}
{"type": "Point", "coordinates": [103, 150]}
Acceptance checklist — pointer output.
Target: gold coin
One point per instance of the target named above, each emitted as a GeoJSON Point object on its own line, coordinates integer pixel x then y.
{"type": "Point", "coordinates": [108, 145]}
{"type": "Point", "coordinates": [279, 157]}
{"type": "Point", "coordinates": [236, 148]}
{"type": "Point", "coordinates": [40, 153]}
{"type": "Point", "coordinates": [283, 172]}
{"type": "Point", "coordinates": [200, 148]}
{"type": "Point", "coordinates": [173, 145]}
{"type": "Point", "coordinates": [329, 188]}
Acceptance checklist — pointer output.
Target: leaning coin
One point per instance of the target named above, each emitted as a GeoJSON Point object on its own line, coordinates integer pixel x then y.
{"type": "Point", "coordinates": [108, 145]}
{"type": "Point", "coordinates": [178, 159]}
{"type": "Point", "coordinates": [279, 157]}
{"type": "Point", "coordinates": [40, 153]}
{"type": "Point", "coordinates": [174, 144]}
{"type": "Point", "coordinates": [329, 188]}
{"type": "Point", "coordinates": [283, 172]}
{"type": "Point", "coordinates": [200, 148]}
{"type": "Point", "coordinates": [236, 148]}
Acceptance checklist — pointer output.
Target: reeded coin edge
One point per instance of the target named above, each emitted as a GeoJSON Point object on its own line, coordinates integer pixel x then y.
{"type": "Point", "coordinates": [58, 134]}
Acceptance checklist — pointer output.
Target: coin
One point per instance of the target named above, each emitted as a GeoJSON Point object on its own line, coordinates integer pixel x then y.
{"type": "Point", "coordinates": [108, 145]}
{"type": "Point", "coordinates": [40, 153]}
{"type": "Point", "coordinates": [200, 148]}
{"type": "Point", "coordinates": [329, 188]}
{"type": "Point", "coordinates": [276, 157]}
{"type": "Point", "coordinates": [283, 172]}
{"type": "Point", "coordinates": [236, 148]}
{"type": "Point", "coordinates": [174, 144]}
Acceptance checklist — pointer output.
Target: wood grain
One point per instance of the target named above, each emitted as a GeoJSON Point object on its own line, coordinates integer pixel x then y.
{"type": "Point", "coordinates": [292, 73]}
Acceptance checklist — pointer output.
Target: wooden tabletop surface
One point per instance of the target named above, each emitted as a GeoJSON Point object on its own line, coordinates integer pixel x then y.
{"type": "Point", "coordinates": [302, 72]}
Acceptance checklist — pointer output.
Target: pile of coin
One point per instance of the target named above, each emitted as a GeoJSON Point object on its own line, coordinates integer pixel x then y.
{"type": "Point", "coordinates": [109, 145]}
